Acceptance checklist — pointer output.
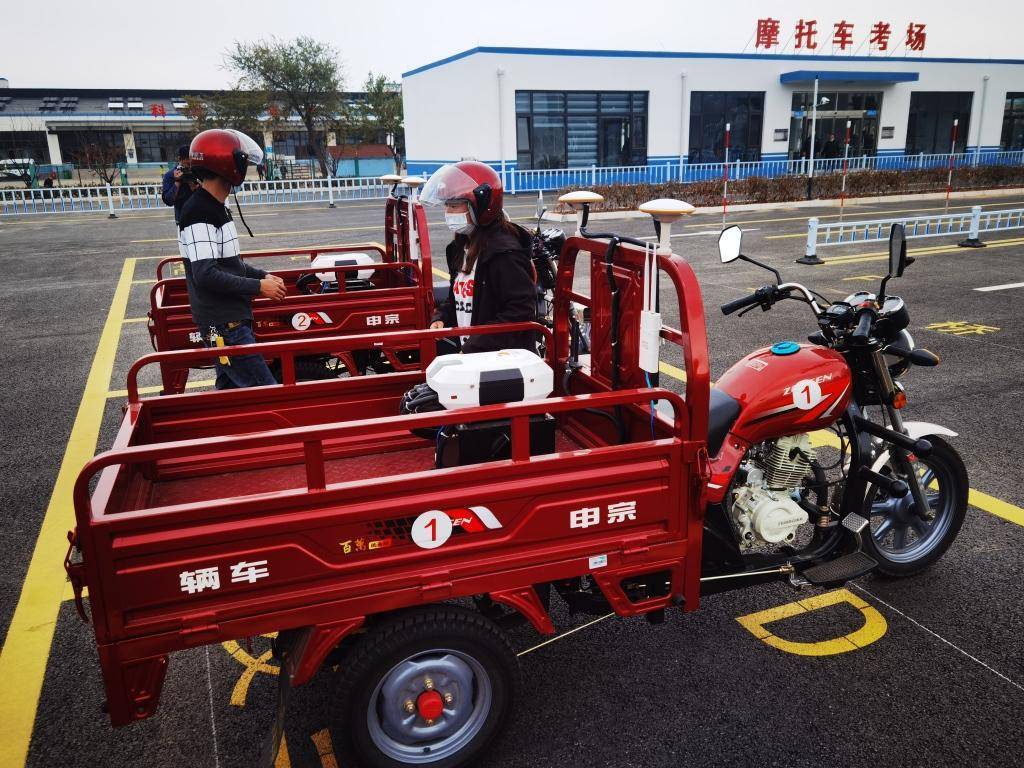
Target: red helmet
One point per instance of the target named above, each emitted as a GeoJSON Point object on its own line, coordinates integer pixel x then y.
{"type": "Point", "coordinates": [225, 152]}
{"type": "Point", "coordinates": [474, 182]}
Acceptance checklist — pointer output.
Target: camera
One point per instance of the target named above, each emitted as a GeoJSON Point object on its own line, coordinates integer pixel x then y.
{"type": "Point", "coordinates": [187, 176]}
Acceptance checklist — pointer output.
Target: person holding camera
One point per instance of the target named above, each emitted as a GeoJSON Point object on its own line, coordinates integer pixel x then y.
{"type": "Point", "coordinates": [179, 184]}
{"type": "Point", "coordinates": [221, 286]}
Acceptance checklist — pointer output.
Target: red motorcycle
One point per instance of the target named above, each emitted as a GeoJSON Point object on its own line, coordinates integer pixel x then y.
{"type": "Point", "coordinates": [775, 505]}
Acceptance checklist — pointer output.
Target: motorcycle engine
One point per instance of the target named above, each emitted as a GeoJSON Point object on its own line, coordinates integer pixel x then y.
{"type": "Point", "coordinates": [763, 508]}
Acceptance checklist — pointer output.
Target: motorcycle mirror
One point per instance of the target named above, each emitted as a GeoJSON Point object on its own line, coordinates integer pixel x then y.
{"type": "Point", "coordinates": [729, 243]}
{"type": "Point", "coordinates": [897, 250]}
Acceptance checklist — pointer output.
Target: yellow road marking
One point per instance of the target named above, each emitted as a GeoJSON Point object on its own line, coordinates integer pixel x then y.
{"type": "Point", "coordinates": [157, 389]}
{"type": "Point", "coordinates": [932, 251]}
{"type": "Point", "coordinates": [874, 626]}
{"type": "Point", "coordinates": [135, 320]}
{"type": "Point", "coordinates": [863, 277]}
{"type": "Point", "coordinates": [143, 282]}
{"type": "Point", "coordinates": [253, 665]}
{"type": "Point", "coordinates": [996, 507]}
{"type": "Point", "coordinates": [671, 370]}
{"type": "Point", "coordinates": [440, 273]}
{"type": "Point", "coordinates": [27, 647]}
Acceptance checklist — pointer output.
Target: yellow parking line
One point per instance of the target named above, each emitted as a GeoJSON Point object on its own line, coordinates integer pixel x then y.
{"type": "Point", "coordinates": [143, 282]}
{"type": "Point", "coordinates": [30, 636]}
{"type": "Point", "coordinates": [135, 320]}
{"type": "Point", "coordinates": [114, 393]}
{"type": "Point", "coordinates": [671, 370]}
{"type": "Point", "coordinates": [996, 507]}
{"type": "Point", "coordinates": [933, 251]}
{"type": "Point", "coordinates": [440, 273]}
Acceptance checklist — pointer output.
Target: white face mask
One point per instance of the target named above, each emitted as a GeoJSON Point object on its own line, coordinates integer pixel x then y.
{"type": "Point", "coordinates": [458, 223]}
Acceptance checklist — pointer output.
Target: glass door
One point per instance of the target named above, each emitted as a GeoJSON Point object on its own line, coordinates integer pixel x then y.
{"type": "Point", "coordinates": [615, 143]}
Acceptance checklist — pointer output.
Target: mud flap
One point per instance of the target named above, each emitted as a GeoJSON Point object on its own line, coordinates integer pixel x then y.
{"type": "Point", "coordinates": [284, 647]}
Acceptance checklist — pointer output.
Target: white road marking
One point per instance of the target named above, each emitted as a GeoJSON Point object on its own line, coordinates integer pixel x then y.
{"type": "Point", "coordinates": [937, 636]}
{"type": "Point", "coordinates": [213, 720]}
{"type": "Point", "coordinates": [1003, 287]}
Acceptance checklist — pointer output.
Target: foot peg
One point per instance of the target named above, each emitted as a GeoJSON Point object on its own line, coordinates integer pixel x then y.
{"type": "Point", "coordinates": [840, 570]}
{"type": "Point", "coordinates": [855, 523]}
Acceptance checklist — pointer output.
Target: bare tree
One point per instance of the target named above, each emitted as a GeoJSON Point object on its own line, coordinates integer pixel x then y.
{"type": "Point", "coordinates": [21, 165]}
{"type": "Point", "coordinates": [302, 75]}
{"type": "Point", "coordinates": [381, 112]}
{"type": "Point", "coordinates": [102, 160]}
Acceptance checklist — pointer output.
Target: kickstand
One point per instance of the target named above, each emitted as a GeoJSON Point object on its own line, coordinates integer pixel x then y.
{"type": "Point", "coordinates": [272, 742]}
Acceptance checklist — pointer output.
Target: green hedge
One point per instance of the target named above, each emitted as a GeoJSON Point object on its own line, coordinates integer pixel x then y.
{"type": "Point", "coordinates": [782, 189]}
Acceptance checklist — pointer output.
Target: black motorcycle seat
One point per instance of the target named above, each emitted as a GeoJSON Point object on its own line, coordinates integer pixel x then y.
{"type": "Point", "coordinates": [723, 411]}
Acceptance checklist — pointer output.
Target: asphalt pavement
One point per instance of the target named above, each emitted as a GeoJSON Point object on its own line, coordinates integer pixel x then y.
{"type": "Point", "coordinates": [941, 684]}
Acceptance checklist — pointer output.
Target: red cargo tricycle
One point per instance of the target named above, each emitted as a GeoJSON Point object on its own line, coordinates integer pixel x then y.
{"type": "Point", "coordinates": [401, 546]}
{"type": "Point", "coordinates": [359, 288]}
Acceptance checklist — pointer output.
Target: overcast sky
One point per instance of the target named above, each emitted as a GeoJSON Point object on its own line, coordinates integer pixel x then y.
{"type": "Point", "coordinates": [179, 43]}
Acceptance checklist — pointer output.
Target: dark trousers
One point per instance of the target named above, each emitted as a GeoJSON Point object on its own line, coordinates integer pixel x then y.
{"type": "Point", "coordinates": [241, 370]}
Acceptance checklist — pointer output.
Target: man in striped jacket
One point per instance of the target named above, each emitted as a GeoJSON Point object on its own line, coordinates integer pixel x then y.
{"type": "Point", "coordinates": [221, 285]}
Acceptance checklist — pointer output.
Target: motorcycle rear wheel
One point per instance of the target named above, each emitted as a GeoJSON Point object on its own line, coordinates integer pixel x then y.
{"type": "Point", "coordinates": [902, 542]}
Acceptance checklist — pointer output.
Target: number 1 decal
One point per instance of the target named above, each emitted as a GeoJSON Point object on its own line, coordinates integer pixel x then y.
{"type": "Point", "coordinates": [806, 394]}
{"type": "Point", "coordinates": [431, 529]}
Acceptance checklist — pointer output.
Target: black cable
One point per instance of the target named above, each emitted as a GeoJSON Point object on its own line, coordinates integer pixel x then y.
{"type": "Point", "coordinates": [239, 207]}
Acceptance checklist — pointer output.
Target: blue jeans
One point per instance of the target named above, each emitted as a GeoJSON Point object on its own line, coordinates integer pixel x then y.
{"type": "Point", "coordinates": [241, 370]}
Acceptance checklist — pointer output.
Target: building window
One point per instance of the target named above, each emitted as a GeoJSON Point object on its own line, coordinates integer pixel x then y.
{"type": "Point", "coordinates": [24, 145]}
{"type": "Point", "coordinates": [861, 110]}
{"type": "Point", "coordinates": [1013, 122]}
{"type": "Point", "coordinates": [160, 146]}
{"type": "Point", "coordinates": [74, 144]}
{"type": "Point", "coordinates": [930, 125]}
{"type": "Point", "coordinates": [293, 144]}
{"type": "Point", "coordinates": [574, 129]}
{"type": "Point", "coordinates": [711, 110]}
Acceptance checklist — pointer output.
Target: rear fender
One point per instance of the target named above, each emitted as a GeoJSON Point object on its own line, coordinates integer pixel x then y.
{"type": "Point", "coordinates": [303, 650]}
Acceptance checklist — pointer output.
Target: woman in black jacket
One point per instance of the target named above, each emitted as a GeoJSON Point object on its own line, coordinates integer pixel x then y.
{"type": "Point", "coordinates": [492, 279]}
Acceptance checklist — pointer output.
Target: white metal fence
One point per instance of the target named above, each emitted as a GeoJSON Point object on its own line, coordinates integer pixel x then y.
{"type": "Point", "coordinates": [972, 223]}
{"type": "Point", "coordinates": [113, 200]}
{"type": "Point", "coordinates": [531, 180]}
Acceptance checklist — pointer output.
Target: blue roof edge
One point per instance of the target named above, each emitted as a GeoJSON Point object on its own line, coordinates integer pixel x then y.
{"type": "Point", "coordinates": [597, 52]}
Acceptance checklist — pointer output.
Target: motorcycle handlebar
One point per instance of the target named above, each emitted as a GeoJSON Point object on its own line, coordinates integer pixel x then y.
{"type": "Point", "coordinates": [863, 330]}
{"type": "Point", "coordinates": [761, 295]}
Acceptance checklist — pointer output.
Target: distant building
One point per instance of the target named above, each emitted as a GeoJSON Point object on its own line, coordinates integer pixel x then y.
{"type": "Point", "coordinates": [553, 108]}
{"type": "Point", "coordinates": [51, 125]}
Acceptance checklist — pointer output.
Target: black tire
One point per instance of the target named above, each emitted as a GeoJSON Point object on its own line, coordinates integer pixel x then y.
{"type": "Point", "coordinates": [415, 637]}
{"type": "Point", "coordinates": [951, 500]}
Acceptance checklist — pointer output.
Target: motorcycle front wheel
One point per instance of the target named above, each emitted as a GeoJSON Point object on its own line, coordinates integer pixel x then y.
{"type": "Point", "coordinates": [903, 542]}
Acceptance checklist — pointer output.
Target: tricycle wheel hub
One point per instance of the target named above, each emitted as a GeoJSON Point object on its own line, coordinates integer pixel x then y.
{"type": "Point", "coordinates": [429, 706]}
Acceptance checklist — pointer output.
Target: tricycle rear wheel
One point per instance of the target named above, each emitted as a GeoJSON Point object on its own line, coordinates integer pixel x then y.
{"type": "Point", "coordinates": [431, 686]}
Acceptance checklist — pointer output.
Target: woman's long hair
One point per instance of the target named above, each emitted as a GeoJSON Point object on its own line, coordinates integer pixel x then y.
{"type": "Point", "coordinates": [478, 239]}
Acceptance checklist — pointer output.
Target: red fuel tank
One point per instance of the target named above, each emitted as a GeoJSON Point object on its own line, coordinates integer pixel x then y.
{"type": "Point", "coordinates": [786, 389]}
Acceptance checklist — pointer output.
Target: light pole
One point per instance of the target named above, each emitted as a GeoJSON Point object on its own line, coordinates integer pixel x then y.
{"type": "Point", "coordinates": [501, 125]}
{"type": "Point", "coordinates": [981, 117]}
{"type": "Point", "coordinates": [814, 125]}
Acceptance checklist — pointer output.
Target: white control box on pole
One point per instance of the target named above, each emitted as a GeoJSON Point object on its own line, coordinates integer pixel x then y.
{"type": "Point", "coordinates": [413, 183]}
{"type": "Point", "coordinates": [665, 212]}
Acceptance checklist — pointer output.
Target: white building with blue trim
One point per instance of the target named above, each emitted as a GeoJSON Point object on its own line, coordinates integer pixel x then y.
{"type": "Point", "coordinates": [532, 108]}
